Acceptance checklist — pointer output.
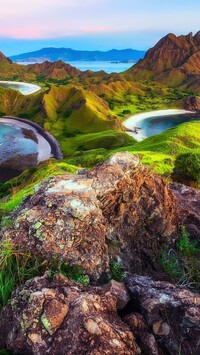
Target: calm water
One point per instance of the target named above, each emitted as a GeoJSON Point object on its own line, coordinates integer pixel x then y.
{"type": "Point", "coordinates": [24, 88]}
{"type": "Point", "coordinates": [20, 149]}
{"type": "Point", "coordinates": [157, 125]}
{"type": "Point", "coordinates": [14, 141]}
{"type": "Point", "coordinates": [108, 67]}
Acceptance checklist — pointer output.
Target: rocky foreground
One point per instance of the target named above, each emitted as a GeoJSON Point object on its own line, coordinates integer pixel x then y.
{"type": "Point", "coordinates": [117, 212]}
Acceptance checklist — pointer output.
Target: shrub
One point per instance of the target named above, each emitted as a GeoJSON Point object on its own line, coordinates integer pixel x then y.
{"type": "Point", "coordinates": [188, 166]}
{"type": "Point", "coordinates": [181, 263]}
{"type": "Point", "coordinates": [116, 271]}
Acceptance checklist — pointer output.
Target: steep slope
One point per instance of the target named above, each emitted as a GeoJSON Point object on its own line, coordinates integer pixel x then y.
{"type": "Point", "coordinates": [4, 60]}
{"type": "Point", "coordinates": [173, 61]}
{"type": "Point", "coordinates": [47, 70]}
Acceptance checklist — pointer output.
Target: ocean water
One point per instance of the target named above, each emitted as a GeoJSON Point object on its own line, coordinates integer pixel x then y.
{"type": "Point", "coordinates": [20, 148]}
{"type": "Point", "coordinates": [108, 67]}
{"type": "Point", "coordinates": [24, 88]}
{"type": "Point", "coordinates": [14, 142]}
{"type": "Point", "coordinates": [156, 125]}
{"type": "Point", "coordinates": [151, 126]}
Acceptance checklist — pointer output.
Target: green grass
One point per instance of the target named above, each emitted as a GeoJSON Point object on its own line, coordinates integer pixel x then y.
{"type": "Point", "coordinates": [117, 271]}
{"type": "Point", "coordinates": [108, 140]}
{"type": "Point", "coordinates": [23, 185]}
{"type": "Point", "coordinates": [18, 266]}
{"type": "Point", "coordinates": [181, 263]}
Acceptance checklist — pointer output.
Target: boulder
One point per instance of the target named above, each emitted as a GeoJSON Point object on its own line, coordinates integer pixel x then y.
{"type": "Point", "coordinates": [119, 291]}
{"type": "Point", "coordinates": [171, 312]}
{"type": "Point", "coordinates": [189, 207]}
{"type": "Point", "coordinates": [192, 103]}
{"type": "Point", "coordinates": [144, 337]}
{"type": "Point", "coordinates": [119, 210]}
{"type": "Point", "coordinates": [63, 317]}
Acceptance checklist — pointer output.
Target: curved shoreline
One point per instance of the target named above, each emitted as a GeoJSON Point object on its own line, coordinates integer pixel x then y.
{"type": "Point", "coordinates": [33, 87]}
{"type": "Point", "coordinates": [55, 146]}
{"type": "Point", "coordinates": [135, 120]}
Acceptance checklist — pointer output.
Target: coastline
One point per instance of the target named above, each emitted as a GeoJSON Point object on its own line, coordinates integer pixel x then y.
{"type": "Point", "coordinates": [33, 87]}
{"type": "Point", "coordinates": [53, 143]}
{"type": "Point", "coordinates": [136, 119]}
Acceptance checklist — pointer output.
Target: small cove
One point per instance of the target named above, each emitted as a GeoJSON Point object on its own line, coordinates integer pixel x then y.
{"type": "Point", "coordinates": [23, 144]}
{"type": "Point", "coordinates": [24, 88]}
{"type": "Point", "coordinates": [155, 122]}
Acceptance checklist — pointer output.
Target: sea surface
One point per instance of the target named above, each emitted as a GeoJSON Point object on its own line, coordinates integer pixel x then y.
{"type": "Point", "coordinates": [24, 88]}
{"type": "Point", "coordinates": [151, 126]}
{"type": "Point", "coordinates": [20, 148]}
{"type": "Point", "coordinates": [108, 67]}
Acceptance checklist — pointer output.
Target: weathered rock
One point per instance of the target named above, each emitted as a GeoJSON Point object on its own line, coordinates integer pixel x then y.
{"type": "Point", "coordinates": [62, 317]}
{"type": "Point", "coordinates": [119, 209]}
{"type": "Point", "coordinates": [144, 338]}
{"type": "Point", "coordinates": [119, 291]}
{"type": "Point", "coordinates": [192, 103]}
{"type": "Point", "coordinates": [174, 61]}
{"type": "Point", "coordinates": [172, 313]}
{"type": "Point", "coordinates": [189, 208]}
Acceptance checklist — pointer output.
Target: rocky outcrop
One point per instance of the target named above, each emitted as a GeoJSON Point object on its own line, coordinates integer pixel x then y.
{"type": "Point", "coordinates": [59, 316]}
{"type": "Point", "coordinates": [4, 60]}
{"type": "Point", "coordinates": [189, 206]}
{"type": "Point", "coordinates": [173, 61]}
{"type": "Point", "coordinates": [170, 52]}
{"type": "Point", "coordinates": [62, 317]}
{"type": "Point", "coordinates": [192, 104]}
{"type": "Point", "coordinates": [119, 211]}
{"type": "Point", "coordinates": [55, 70]}
{"type": "Point", "coordinates": [145, 339]}
{"type": "Point", "coordinates": [172, 313]}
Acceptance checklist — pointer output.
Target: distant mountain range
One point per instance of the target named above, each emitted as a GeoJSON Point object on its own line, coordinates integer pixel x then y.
{"type": "Point", "coordinates": [68, 54]}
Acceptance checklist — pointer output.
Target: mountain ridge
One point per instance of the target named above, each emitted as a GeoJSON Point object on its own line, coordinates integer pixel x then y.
{"type": "Point", "coordinates": [68, 54]}
{"type": "Point", "coordinates": [173, 61]}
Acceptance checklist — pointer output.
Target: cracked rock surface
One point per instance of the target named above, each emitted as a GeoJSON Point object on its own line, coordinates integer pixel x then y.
{"type": "Point", "coordinates": [118, 210]}
{"type": "Point", "coordinates": [65, 318]}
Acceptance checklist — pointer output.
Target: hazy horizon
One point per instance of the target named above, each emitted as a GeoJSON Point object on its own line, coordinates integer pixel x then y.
{"type": "Point", "coordinates": [92, 24]}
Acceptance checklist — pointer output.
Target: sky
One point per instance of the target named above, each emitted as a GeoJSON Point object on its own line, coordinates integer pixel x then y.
{"type": "Point", "coordinates": [27, 25]}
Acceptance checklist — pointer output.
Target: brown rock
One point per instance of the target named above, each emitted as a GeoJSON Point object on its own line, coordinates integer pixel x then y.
{"type": "Point", "coordinates": [189, 207]}
{"type": "Point", "coordinates": [4, 60]}
{"type": "Point", "coordinates": [172, 312]}
{"type": "Point", "coordinates": [118, 210]}
{"type": "Point", "coordinates": [119, 291]}
{"type": "Point", "coordinates": [192, 103]}
{"type": "Point", "coordinates": [174, 61]}
{"type": "Point", "coordinates": [144, 338]}
{"type": "Point", "coordinates": [62, 317]}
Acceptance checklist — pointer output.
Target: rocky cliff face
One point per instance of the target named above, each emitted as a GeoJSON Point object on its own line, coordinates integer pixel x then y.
{"type": "Point", "coordinates": [4, 60]}
{"type": "Point", "coordinates": [118, 211]}
{"type": "Point", "coordinates": [192, 104]}
{"type": "Point", "coordinates": [173, 61]}
{"type": "Point", "coordinates": [172, 52]}
{"type": "Point", "coordinates": [56, 70]}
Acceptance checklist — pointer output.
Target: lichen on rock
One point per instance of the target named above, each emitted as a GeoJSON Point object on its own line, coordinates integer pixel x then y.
{"type": "Point", "coordinates": [118, 210]}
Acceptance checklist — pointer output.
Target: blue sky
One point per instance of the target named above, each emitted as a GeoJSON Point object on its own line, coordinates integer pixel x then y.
{"type": "Point", "coordinates": [93, 24]}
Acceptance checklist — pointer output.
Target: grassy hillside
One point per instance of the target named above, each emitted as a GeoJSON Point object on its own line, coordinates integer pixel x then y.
{"type": "Point", "coordinates": [159, 152]}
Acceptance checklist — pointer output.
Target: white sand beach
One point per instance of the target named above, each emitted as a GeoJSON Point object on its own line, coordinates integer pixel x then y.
{"type": "Point", "coordinates": [138, 120]}
{"type": "Point", "coordinates": [44, 148]}
{"type": "Point", "coordinates": [24, 88]}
